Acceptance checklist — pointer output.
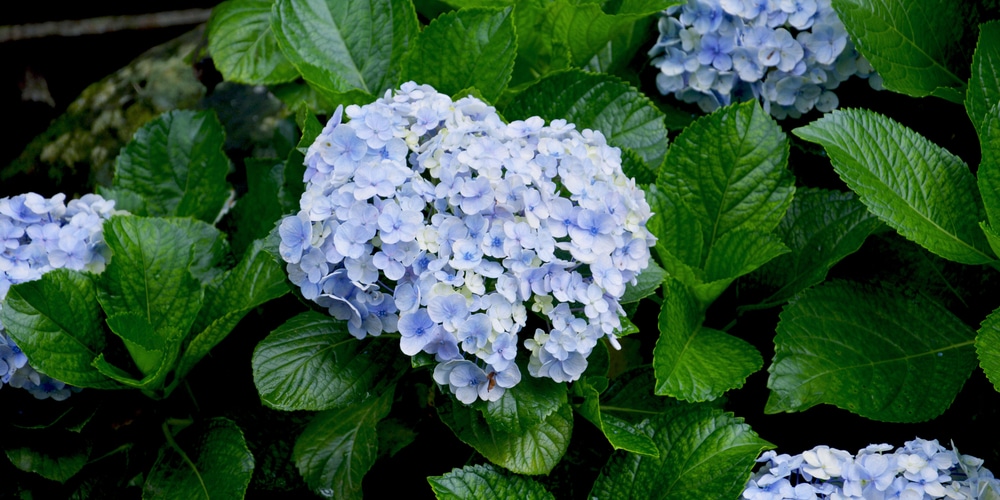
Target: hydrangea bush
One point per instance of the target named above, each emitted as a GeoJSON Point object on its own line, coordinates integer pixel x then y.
{"type": "Point", "coordinates": [40, 234]}
{"type": "Point", "coordinates": [789, 54]}
{"type": "Point", "coordinates": [479, 254]}
{"type": "Point", "coordinates": [437, 220]}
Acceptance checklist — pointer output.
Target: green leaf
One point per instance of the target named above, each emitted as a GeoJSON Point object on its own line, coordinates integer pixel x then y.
{"type": "Point", "coordinates": [686, 356]}
{"type": "Point", "coordinates": [257, 279]}
{"type": "Point", "coordinates": [339, 446]}
{"type": "Point", "coordinates": [739, 252]}
{"type": "Point", "coordinates": [150, 348]}
{"type": "Point", "coordinates": [56, 455]}
{"type": "Point", "coordinates": [620, 433]}
{"type": "Point", "coordinates": [729, 168]}
{"type": "Point", "coordinates": [992, 236]}
{"type": "Point", "coordinates": [703, 453]}
{"type": "Point", "coordinates": [539, 52]}
{"type": "Point", "coordinates": [467, 48]}
{"type": "Point", "coordinates": [257, 212]}
{"type": "Point", "coordinates": [630, 396]}
{"type": "Point", "coordinates": [56, 321]}
{"type": "Point", "coordinates": [821, 228]}
{"type": "Point", "coordinates": [175, 164]}
{"type": "Point", "coordinates": [872, 351]}
{"type": "Point", "coordinates": [678, 232]}
{"type": "Point", "coordinates": [243, 46]}
{"type": "Point", "coordinates": [485, 481]}
{"type": "Point", "coordinates": [988, 347]}
{"type": "Point", "coordinates": [924, 192]}
{"type": "Point", "coordinates": [588, 30]}
{"type": "Point", "coordinates": [209, 248]}
{"type": "Point", "coordinates": [345, 46]}
{"type": "Point", "coordinates": [312, 363]}
{"type": "Point", "coordinates": [535, 451]}
{"type": "Point", "coordinates": [600, 102]}
{"type": "Point", "coordinates": [908, 42]}
{"type": "Point", "coordinates": [208, 461]}
{"type": "Point", "coordinates": [984, 85]}
{"type": "Point", "coordinates": [525, 405]}
{"type": "Point", "coordinates": [989, 169]}
{"type": "Point", "coordinates": [148, 273]}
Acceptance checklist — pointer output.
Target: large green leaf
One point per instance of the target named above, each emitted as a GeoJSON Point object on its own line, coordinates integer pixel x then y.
{"type": "Point", "coordinates": [175, 166]}
{"type": "Point", "coordinates": [257, 279]}
{"type": "Point", "coordinates": [56, 321]}
{"type": "Point", "coordinates": [465, 49]}
{"type": "Point", "coordinates": [525, 405]}
{"type": "Point", "coordinates": [339, 446]}
{"type": "Point", "coordinates": [989, 170]}
{"type": "Point", "coordinates": [153, 350]}
{"type": "Point", "coordinates": [984, 85]}
{"type": "Point", "coordinates": [342, 46]}
{"type": "Point", "coordinates": [56, 455]}
{"type": "Point", "coordinates": [209, 461]}
{"type": "Point", "coordinates": [536, 450]}
{"type": "Point", "coordinates": [739, 252]}
{"type": "Point", "coordinates": [622, 434]}
{"type": "Point", "coordinates": [630, 396]}
{"type": "Point", "coordinates": [703, 453]}
{"type": "Point", "coordinates": [821, 228]}
{"type": "Point", "coordinates": [924, 192]}
{"type": "Point", "coordinates": [909, 42]}
{"type": "Point", "coordinates": [242, 44]}
{"type": "Point", "coordinates": [312, 363]}
{"type": "Point", "coordinates": [729, 169]}
{"type": "Point", "coordinates": [988, 347]}
{"type": "Point", "coordinates": [485, 481]}
{"type": "Point", "coordinates": [600, 102]}
{"type": "Point", "coordinates": [678, 235]}
{"type": "Point", "coordinates": [148, 273]}
{"type": "Point", "coordinates": [873, 351]}
{"type": "Point", "coordinates": [686, 356]}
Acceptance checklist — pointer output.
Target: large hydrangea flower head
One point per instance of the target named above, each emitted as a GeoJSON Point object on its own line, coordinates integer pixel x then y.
{"type": "Point", "coordinates": [37, 235]}
{"type": "Point", "coordinates": [790, 54]}
{"type": "Point", "coordinates": [434, 219]}
{"type": "Point", "coordinates": [920, 469]}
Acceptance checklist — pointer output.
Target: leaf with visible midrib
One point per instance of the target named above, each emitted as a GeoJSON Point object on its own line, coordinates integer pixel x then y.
{"type": "Point", "coordinates": [687, 355]}
{"type": "Point", "coordinates": [908, 42]}
{"type": "Point", "coordinates": [729, 169]}
{"type": "Point", "coordinates": [211, 461]}
{"type": "Point", "coordinates": [311, 362]}
{"type": "Point", "coordinates": [924, 192]}
{"type": "Point", "coordinates": [984, 84]}
{"type": "Point", "coordinates": [467, 48]}
{"type": "Point", "coordinates": [345, 45]}
{"type": "Point", "coordinates": [242, 45]}
{"type": "Point", "coordinates": [869, 350]}
{"type": "Point", "coordinates": [56, 321]}
{"type": "Point", "coordinates": [485, 481]}
{"type": "Point", "coordinates": [703, 453]}
{"type": "Point", "coordinates": [339, 446]}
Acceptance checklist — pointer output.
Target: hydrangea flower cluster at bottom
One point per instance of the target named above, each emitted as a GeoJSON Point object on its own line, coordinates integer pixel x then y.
{"type": "Point", "coordinates": [37, 235]}
{"type": "Point", "coordinates": [919, 470]}
{"type": "Point", "coordinates": [435, 219]}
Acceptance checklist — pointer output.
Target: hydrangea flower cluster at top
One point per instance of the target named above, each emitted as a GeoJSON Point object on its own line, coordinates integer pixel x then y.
{"type": "Point", "coordinates": [437, 220]}
{"type": "Point", "coordinates": [790, 54]}
{"type": "Point", "coordinates": [37, 235]}
{"type": "Point", "coordinates": [919, 470]}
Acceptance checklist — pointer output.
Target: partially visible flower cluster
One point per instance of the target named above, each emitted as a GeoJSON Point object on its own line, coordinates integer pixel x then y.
{"type": "Point", "coordinates": [790, 54]}
{"type": "Point", "coordinates": [919, 470]}
{"type": "Point", "coordinates": [435, 219]}
{"type": "Point", "coordinates": [36, 236]}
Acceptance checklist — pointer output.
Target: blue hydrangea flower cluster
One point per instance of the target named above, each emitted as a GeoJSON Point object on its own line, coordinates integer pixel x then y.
{"type": "Point", "coordinates": [919, 470]}
{"type": "Point", "coordinates": [38, 234]}
{"type": "Point", "coordinates": [790, 54]}
{"type": "Point", "coordinates": [437, 220]}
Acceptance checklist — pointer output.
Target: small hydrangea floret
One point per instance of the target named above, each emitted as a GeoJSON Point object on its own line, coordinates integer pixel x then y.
{"type": "Point", "coordinates": [37, 235]}
{"type": "Point", "coordinates": [434, 219]}
{"type": "Point", "coordinates": [789, 54]}
{"type": "Point", "coordinates": [920, 469]}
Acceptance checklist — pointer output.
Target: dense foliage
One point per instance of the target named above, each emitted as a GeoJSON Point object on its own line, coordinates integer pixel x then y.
{"type": "Point", "coordinates": [483, 256]}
